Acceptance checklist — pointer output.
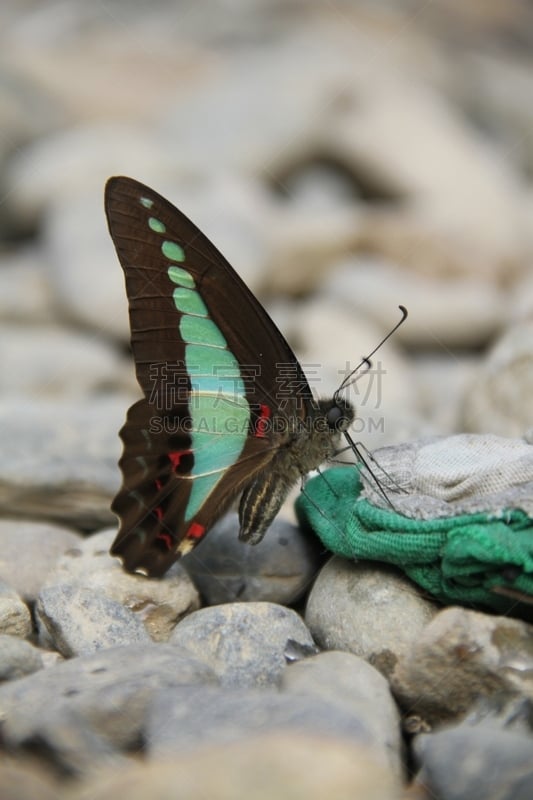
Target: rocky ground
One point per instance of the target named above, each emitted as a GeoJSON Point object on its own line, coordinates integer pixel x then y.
{"type": "Point", "coordinates": [346, 158]}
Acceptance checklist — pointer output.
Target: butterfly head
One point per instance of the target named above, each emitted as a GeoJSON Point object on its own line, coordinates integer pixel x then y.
{"type": "Point", "coordinates": [338, 412]}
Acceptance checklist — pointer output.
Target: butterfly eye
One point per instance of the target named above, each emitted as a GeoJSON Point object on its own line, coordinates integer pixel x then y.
{"type": "Point", "coordinates": [335, 418]}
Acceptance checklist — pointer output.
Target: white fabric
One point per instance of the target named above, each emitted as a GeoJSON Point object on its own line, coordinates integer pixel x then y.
{"type": "Point", "coordinates": [447, 476]}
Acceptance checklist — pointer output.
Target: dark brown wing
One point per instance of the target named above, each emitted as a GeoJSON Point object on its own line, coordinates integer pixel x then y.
{"type": "Point", "coordinates": [189, 348]}
{"type": "Point", "coordinates": [252, 336]}
{"type": "Point", "coordinates": [157, 465]}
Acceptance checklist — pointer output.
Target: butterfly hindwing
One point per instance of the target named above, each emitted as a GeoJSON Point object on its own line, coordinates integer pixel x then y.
{"type": "Point", "coordinates": [208, 359]}
{"type": "Point", "coordinates": [158, 478]}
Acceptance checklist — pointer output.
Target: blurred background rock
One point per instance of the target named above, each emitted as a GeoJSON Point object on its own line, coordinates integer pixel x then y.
{"type": "Point", "coordinates": [345, 157]}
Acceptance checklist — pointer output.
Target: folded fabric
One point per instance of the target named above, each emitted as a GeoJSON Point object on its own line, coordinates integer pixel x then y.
{"type": "Point", "coordinates": [454, 513]}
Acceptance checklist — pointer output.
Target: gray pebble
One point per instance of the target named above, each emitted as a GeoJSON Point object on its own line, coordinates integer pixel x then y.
{"type": "Point", "coordinates": [76, 621]}
{"type": "Point", "coordinates": [278, 570]}
{"type": "Point", "coordinates": [25, 294]}
{"type": "Point", "coordinates": [15, 617]}
{"type": "Point", "coordinates": [480, 762]}
{"type": "Point", "coordinates": [186, 718]}
{"type": "Point", "coordinates": [75, 475]}
{"type": "Point", "coordinates": [368, 609]}
{"type": "Point", "coordinates": [86, 281]}
{"type": "Point", "coordinates": [349, 683]}
{"type": "Point", "coordinates": [18, 658]}
{"type": "Point", "coordinates": [371, 287]}
{"type": "Point", "coordinates": [289, 765]}
{"type": "Point", "coordinates": [461, 657]}
{"type": "Point", "coordinates": [29, 551]}
{"type": "Point", "coordinates": [69, 745]}
{"type": "Point", "coordinates": [109, 690]}
{"type": "Point", "coordinates": [157, 604]}
{"type": "Point", "coordinates": [244, 643]}
{"type": "Point", "coordinates": [497, 397]}
{"type": "Point", "coordinates": [54, 361]}
{"type": "Point", "coordinates": [25, 780]}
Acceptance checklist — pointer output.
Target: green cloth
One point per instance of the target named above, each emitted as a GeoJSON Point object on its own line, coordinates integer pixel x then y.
{"type": "Point", "coordinates": [457, 559]}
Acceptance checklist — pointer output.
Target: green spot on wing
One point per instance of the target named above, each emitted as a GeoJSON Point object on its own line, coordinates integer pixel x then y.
{"type": "Point", "coordinates": [189, 302]}
{"type": "Point", "coordinates": [201, 330]}
{"type": "Point", "coordinates": [146, 202]}
{"type": "Point", "coordinates": [172, 251]}
{"type": "Point", "coordinates": [156, 225]}
{"type": "Point", "coordinates": [181, 277]}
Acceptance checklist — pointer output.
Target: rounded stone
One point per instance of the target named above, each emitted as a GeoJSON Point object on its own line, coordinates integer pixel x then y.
{"type": "Point", "coordinates": [498, 396]}
{"type": "Point", "coordinates": [187, 718]}
{"type": "Point", "coordinates": [459, 658]}
{"type": "Point", "coordinates": [30, 550]}
{"type": "Point", "coordinates": [17, 658]}
{"type": "Point", "coordinates": [350, 683]}
{"type": "Point", "coordinates": [76, 621]}
{"type": "Point", "coordinates": [103, 698]}
{"type": "Point", "coordinates": [451, 311]}
{"type": "Point", "coordinates": [293, 766]}
{"type": "Point", "coordinates": [25, 295]}
{"type": "Point", "coordinates": [86, 280]}
{"type": "Point", "coordinates": [368, 609]}
{"type": "Point", "coordinates": [25, 780]}
{"type": "Point", "coordinates": [51, 361]}
{"type": "Point", "coordinates": [15, 617]}
{"type": "Point", "coordinates": [155, 604]}
{"type": "Point", "coordinates": [488, 763]}
{"type": "Point", "coordinates": [75, 475]}
{"type": "Point", "coordinates": [244, 643]}
{"type": "Point", "coordinates": [279, 569]}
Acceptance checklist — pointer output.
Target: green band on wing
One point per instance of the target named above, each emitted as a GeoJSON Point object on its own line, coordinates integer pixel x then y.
{"type": "Point", "coordinates": [201, 330]}
{"type": "Point", "coordinates": [181, 277]}
{"type": "Point", "coordinates": [189, 302]}
{"type": "Point", "coordinates": [146, 202]}
{"type": "Point", "coordinates": [172, 251]}
{"type": "Point", "coordinates": [216, 372]}
{"type": "Point", "coordinates": [213, 418]}
{"type": "Point", "coordinates": [218, 408]}
{"type": "Point", "coordinates": [220, 416]}
{"type": "Point", "coordinates": [218, 436]}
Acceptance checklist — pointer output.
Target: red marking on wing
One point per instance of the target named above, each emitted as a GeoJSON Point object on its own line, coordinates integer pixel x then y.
{"type": "Point", "coordinates": [158, 484]}
{"type": "Point", "coordinates": [175, 457]}
{"type": "Point", "coordinates": [166, 538]}
{"type": "Point", "coordinates": [196, 531]}
{"type": "Point", "coordinates": [159, 513]}
{"type": "Point", "coordinates": [262, 423]}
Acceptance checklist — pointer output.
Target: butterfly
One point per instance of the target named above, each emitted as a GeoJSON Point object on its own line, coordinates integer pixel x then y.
{"type": "Point", "coordinates": [227, 409]}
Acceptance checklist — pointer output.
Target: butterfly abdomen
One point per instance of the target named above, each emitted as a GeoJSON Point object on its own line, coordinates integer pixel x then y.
{"type": "Point", "coordinates": [313, 441]}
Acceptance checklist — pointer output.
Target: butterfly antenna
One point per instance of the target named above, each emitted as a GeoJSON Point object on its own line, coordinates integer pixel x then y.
{"type": "Point", "coordinates": [352, 376]}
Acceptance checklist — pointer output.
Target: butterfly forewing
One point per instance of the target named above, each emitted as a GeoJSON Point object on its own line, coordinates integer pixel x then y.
{"type": "Point", "coordinates": [210, 362]}
{"type": "Point", "coordinates": [133, 210]}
